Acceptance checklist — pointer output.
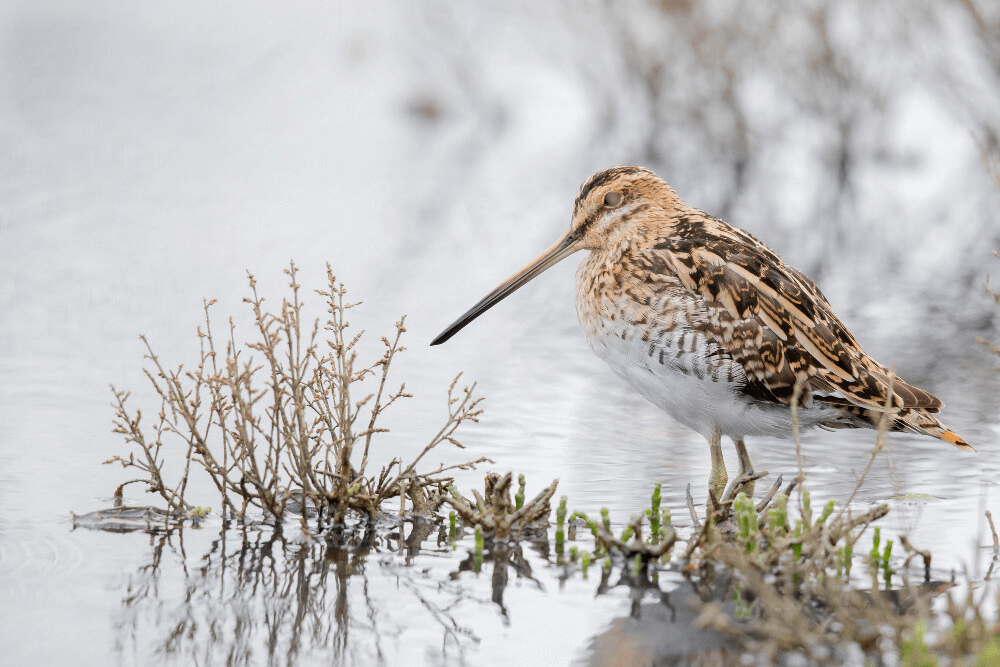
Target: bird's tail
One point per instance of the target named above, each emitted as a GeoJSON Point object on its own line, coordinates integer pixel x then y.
{"type": "Point", "coordinates": [920, 421]}
{"type": "Point", "coordinates": [952, 437]}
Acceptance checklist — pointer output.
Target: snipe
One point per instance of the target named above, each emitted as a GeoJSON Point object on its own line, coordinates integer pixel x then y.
{"type": "Point", "coordinates": [709, 324]}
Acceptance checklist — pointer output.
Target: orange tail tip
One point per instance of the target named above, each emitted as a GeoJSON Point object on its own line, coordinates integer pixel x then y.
{"type": "Point", "coordinates": [949, 436]}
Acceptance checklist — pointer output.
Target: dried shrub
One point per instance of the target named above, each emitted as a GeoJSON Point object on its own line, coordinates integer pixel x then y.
{"type": "Point", "coordinates": [494, 512]}
{"type": "Point", "coordinates": [285, 416]}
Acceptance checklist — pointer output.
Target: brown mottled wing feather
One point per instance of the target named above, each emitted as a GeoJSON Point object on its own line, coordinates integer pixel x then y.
{"type": "Point", "coordinates": [773, 320]}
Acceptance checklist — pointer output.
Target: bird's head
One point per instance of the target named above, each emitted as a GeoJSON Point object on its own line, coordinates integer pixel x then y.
{"type": "Point", "coordinates": [612, 205]}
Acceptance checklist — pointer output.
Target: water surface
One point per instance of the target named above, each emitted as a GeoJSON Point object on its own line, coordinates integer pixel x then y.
{"type": "Point", "coordinates": [151, 156]}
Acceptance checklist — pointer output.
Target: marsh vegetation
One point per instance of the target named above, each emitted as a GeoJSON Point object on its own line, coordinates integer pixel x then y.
{"type": "Point", "coordinates": [282, 428]}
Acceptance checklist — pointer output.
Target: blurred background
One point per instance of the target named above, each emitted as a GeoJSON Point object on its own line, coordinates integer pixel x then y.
{"type": "Point", "coordinates": [152, 154]}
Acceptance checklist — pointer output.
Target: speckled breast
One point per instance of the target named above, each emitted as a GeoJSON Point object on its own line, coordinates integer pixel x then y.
{"type": "Point", "coordinates": [645, 327]}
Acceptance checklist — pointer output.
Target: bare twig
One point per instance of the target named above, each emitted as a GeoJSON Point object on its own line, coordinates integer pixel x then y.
{"type": "Point", "coordinates": [762, 505]}
{"type": "Point", "coordinates": [993, 529]}
{"type": "Point", "coordinates": [914, 552]}
{"type": "Point", "coordinates": [691, 509]}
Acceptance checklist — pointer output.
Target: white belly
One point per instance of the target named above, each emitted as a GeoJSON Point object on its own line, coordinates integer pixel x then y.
{"type": "Point", "coordinates": [675, 370]}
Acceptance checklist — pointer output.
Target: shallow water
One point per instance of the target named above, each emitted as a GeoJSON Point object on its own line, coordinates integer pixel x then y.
{"type": "Point", "coordinates": [150, 158]}
{"type": "Point", "coordinates": [209, 596]}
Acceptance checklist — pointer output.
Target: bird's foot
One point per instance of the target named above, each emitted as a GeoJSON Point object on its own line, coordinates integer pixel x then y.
{"type": "Point", "coordinates": [720, 510]}
{"type": "Point", "coordinates": [716, 488]}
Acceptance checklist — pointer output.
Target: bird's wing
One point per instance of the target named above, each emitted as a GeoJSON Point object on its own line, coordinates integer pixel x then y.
{"type": "Point", "coordinates": [773, 320]}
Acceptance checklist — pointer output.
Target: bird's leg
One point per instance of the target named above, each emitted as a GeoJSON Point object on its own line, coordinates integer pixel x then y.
{"type": "Point", "coordinates": [746, 468]}
{"type": "Point", "coordinates": [718, 477]}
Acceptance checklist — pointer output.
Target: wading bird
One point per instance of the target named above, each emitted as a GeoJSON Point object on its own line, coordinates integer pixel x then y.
{"type": "Point", "coordinates": [708, 323]}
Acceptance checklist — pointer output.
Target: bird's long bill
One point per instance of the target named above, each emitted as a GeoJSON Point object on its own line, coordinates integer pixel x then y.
{"type": "Point", "coordinates": [563, 248]}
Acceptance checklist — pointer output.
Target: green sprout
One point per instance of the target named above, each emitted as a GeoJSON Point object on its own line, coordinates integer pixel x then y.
{"type": "Point", "coordinates": [886, 568]}
{"type": "Point", "coordinates": [628, 531]}
{"type": "Point", "coordinates": [593, 530]}
{"type": "Point", "coordinates": [844, 557]}
{"type": "Point", "coordinates": [746, 519]}
{"type": "Point", "coordinates": [873, 556]}
{"type": "Point", "coordinates": [654, 514]}
{"type": "Point", "coordinates": [477, 557]}
{"type": "Point", "coordinates": [827, 511]}
{"type": "Point", "coordinates": [777, 517]}
{"type": "Point", "coordinates": [560, 527]}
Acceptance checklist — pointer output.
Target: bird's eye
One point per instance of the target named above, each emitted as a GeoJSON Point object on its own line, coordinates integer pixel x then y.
{"type": "Point", "coordinates": [613, 199]}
